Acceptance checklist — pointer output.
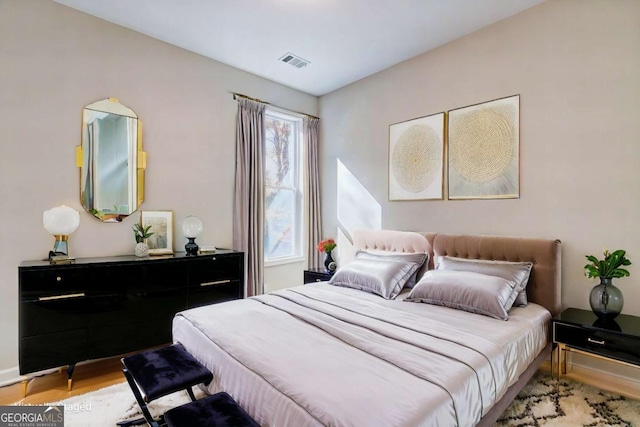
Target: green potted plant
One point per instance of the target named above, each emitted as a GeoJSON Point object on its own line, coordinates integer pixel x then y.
{"type": "Point", "coordinates": [605, 299]}
{"type": "Point", "coordinates": [142, 234]}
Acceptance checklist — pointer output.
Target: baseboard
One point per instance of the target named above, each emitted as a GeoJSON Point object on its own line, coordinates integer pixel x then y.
{"type": "Point", "coordinates": [10, 376]}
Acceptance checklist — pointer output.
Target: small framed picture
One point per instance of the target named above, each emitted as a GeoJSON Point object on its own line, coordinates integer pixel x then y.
{"type": "Point", "coordinates": [161, 222]}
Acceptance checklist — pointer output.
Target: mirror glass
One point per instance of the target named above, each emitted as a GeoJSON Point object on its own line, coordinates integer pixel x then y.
{"type": "Point", "coordinates": [111, 161]}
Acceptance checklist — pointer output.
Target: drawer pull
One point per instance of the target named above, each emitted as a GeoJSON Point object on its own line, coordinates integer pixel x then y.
{"type": "Point", "coordinates": [55, 297]}
{"type": "Point", "coordinates": [318, 280]}
{"type": "Point", "coordinates": [591, 340]}
{"type": "Point", "coordinates": [58, 279]}
{"type": "Point", "coordinates": [217, 282]}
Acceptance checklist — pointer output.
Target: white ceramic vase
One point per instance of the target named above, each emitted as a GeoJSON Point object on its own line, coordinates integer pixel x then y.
{"type": "Point", "coordinates": [142, 250]}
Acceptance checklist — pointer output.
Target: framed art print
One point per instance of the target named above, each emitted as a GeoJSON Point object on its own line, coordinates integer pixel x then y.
{"type": "Point", "coordinates": [161, 222]}
{"type": "Point", "coordinates": [484, 150]}
{"type": "Point", "coordinates": [416, 158]}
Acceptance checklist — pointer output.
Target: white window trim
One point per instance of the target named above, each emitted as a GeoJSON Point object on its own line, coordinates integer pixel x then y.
{"type": "Point", "coordinates": [282, 261]}
{"type": "Point", "coordinates": [298, 189]}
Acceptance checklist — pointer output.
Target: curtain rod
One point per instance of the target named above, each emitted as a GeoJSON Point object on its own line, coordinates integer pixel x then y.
{"type": "Point", "coordinates": [239, 95]}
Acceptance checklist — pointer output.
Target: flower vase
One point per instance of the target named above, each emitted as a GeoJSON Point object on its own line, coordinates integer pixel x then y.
{"type": "Point", "coordinates": [606, 300]}
{"type": "Point", "coordinates": [142, 250]}
{"type": "Point", "coordinates": [329, 263]}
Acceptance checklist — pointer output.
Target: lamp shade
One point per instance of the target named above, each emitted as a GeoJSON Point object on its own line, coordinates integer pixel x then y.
{"type": "Point", "coordinates": [61, 221]}
{"type": "Point", "coordinates": [192, 226]}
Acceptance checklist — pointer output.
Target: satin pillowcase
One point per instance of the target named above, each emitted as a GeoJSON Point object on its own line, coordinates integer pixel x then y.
{"type": "Point", "coordinates": [418, 257]}
{"type": "Point", "coordinates": [384, 275]}
{"type": "Point", "coordinates": [463, 290]}
{"type": "Point", "coordinates": [518, 272]}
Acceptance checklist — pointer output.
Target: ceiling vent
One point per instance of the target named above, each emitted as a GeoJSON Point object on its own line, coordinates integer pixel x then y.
{"type": "Point", "coordinates": [293, 60]}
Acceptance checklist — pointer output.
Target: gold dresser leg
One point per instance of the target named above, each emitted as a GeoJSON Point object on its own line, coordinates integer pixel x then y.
{"type": "Point", "coordinates": [72, 367]}
{"type": "Point", "coordinates": [25, 384]}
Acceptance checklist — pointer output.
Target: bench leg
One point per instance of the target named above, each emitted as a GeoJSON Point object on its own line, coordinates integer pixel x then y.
{"type": "Point", "coordinates": [191, 395]}
{"type": "Point", "coordinates": [136, 392]}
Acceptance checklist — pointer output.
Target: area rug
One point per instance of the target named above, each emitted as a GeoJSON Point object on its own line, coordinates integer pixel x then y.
{"type": "Point", "coordinates": [540, 403]}
{"type": "Point", "coordinates": [547, 402]}
{"type": "Point", "coordinates": [107, 406]}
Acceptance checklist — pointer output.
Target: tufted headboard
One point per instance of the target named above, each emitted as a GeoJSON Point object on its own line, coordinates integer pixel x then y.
{"type": "Point", "coordinates": [544, 283]}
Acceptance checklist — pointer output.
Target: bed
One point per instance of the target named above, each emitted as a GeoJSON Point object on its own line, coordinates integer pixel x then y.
{"type": "Point", "coordinates": [331, 355]}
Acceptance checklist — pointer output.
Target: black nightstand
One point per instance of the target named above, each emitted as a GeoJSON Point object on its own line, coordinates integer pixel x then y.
{"type": "Point", "coordinates": [317, 275]}
{"type": "Point", "coordinates": [580, 331]}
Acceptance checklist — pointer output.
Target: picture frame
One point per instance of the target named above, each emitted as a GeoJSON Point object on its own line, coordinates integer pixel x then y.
{"type": "Point", "coordinates": [416, 158]}
{"type": "Point", "coordinates": [483, 150]}
{"type": "Point", "coordinates": [161, 222]}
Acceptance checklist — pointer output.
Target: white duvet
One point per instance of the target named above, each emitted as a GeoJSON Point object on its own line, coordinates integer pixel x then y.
{"type": "Point", "coordinates": [320, 355]}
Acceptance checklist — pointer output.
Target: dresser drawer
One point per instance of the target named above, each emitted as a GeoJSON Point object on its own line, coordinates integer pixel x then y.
{"type": "Point", "coordinates": [139, 278]}
{"type": "Point", "coordinates": [216, 269]}
{"type": "Point", "coordinates": [214, 292]}
{"type": "Point", "coordinates": [43, 283]}
{"type": "Point", "coordinates": [317, 276]}
{"type": "Point", "coordinates": [609, 344]}
{"type": "Point", "coordinates": [123, 309]}
{"type": "Point", "coordinates": [105, 341]}
{"type": "Point", "coordinates": [52, 350]}
{"type": "Point", "coordinates": [62, 312]}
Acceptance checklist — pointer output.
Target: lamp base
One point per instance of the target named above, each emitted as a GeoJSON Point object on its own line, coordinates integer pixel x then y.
{"type": "Point", "coordinates": [60, 250]}
{"type": "Point", "coordinates": [191, 247]}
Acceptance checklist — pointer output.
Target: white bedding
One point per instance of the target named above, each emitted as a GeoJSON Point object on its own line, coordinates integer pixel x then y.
{"type": "Point", "coordinates": [324, 355]}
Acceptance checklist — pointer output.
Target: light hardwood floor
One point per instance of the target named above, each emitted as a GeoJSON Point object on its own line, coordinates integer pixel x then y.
{"type": "Point", "coordinates": [53, 387]}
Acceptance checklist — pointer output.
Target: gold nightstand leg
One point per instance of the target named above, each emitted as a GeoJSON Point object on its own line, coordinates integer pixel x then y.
{"type": "Point", "coordinates": [25, 384]}
{"type": "Point", "coordinates": [69, 384]}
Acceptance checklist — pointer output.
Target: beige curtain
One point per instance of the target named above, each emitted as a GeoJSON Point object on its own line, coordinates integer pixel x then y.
{"type": "Point", "coordinates": [248, 207]}
{"type": "Point", "coordinates": [311, 130]}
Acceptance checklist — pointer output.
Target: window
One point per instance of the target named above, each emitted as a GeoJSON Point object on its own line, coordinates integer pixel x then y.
{"type": "Point", "coordinates": [283, 192]}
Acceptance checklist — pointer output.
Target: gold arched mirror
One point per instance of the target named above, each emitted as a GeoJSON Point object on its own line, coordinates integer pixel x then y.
{"type": "Point", "coordinates": [111, 161]}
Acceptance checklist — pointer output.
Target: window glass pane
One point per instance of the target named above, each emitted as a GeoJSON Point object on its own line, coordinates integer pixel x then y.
{"type": "Point", "coordinates": [280, 223]}
{"type": "Point", "coordinates": [279, 152]}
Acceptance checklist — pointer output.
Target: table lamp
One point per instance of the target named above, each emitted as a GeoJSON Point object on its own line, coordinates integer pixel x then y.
{"type": "Point", "coordinates": [191, 227]}
{"type": "Point", "coordinates": [60, 222]}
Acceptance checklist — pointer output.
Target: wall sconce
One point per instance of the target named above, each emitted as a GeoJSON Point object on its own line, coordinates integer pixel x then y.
{"type": "Point", "coordinates": [192, 227]}
{"type": "Point", "coordinates": [60, 222]}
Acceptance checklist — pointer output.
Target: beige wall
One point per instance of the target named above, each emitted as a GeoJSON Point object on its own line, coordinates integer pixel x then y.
{"type": "Point", "coordinates": [576, 66]}
{"type": "Point", "coordinates": [53, 61]}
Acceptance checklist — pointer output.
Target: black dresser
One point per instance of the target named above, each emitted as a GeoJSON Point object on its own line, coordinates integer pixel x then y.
{"type": "Point", "coordinates": [101, 307]}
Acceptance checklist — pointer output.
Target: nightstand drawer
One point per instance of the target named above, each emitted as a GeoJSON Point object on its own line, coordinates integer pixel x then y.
{"type": "Point", "coordinates": [317, 275]}
{"type": "Point", "coordinates": [604, 343]}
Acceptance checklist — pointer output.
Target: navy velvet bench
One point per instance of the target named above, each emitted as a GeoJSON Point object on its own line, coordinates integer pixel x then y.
{"type": "Point", "coordinates": [156, 373]}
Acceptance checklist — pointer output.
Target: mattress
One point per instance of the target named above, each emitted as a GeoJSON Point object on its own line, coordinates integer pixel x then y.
{"type": "Point", "coordinates": [322, 355]}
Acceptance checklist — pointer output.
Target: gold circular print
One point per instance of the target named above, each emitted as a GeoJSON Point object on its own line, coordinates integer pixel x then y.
{"type": "Point", "coordinates": [481, 145]}
{"type": "Point", "coordinates": [415, 160]}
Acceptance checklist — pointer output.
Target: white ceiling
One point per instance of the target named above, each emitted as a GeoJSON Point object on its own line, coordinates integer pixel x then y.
{"type": "Point", "coordinates": [345, 40]}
